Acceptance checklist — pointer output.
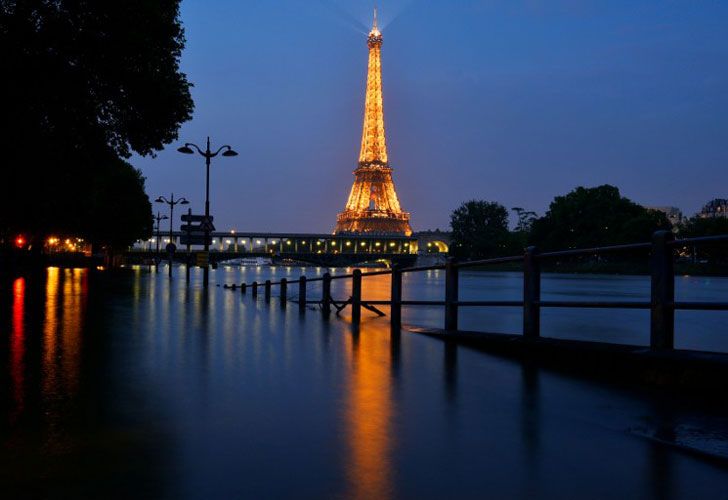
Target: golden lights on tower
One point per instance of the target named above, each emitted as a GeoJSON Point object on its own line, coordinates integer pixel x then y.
{"type": "Point", "coordinates": [373, 205]}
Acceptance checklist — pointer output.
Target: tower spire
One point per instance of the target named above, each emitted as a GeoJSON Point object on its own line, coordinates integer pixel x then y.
{"type": "Point", "coordinates": [373, 143]}
{"type": "Point", "coordinates": [373, 206]}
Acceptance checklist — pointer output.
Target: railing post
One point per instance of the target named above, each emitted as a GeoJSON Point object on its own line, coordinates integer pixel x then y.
{"type": "Point", "coordinates": [662, 312]}
{"type": "Point", "coordinates": [189, 264]}
{"type": "Point", "coordinates": [395, 311]}
{"type": "Point", "coordinates": [356, 297]}
{"type": "Point", "coordinates": [531, 294]}
{"type": "Point", "coordinates": [302, 294]}
{"type": "Point", "coordinates": [242, 288]}
{"type": "Point", "coordinates": [267, 290]}
{"type": "Point", "coordinates": [254, 290]}
{"type": "Point", "coordinates": [284, 292]}
{"type": "Point", "coordinates": [326, 295]}
{"type": "Point", "coordinates": [451, 296]}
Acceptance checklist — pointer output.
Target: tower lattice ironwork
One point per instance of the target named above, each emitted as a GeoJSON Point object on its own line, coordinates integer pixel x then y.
{"type": "Point", "coordinates": [373, 206]}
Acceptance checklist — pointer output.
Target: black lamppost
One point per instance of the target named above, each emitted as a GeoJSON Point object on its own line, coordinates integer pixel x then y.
{"type": "Point", "coordinates": [171, 202]}
{"type": "Point", "coordinates": [158, 218]}
{"type": "Point", "coordinates": [208, 155]}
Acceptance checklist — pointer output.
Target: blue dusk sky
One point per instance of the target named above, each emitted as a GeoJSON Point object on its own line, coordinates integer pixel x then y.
{"type": "Point", "coordinates": [509, 101]}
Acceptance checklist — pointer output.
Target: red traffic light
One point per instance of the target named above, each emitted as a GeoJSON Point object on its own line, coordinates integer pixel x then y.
{"type": "Point", "coordinates": [20, 241]}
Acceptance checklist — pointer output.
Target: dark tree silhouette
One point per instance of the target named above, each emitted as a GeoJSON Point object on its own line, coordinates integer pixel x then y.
{"type": "Point", "coordinates": [86, 84]}
{"type": "Point", "coordinates": [479, 230]}
{"type": "Point", "coordinates": [709, 226]}
{"type": "Point", "coordinates": [120, 191]}
{"type": "Point", "coordinates": [525, 219]}
{"type": "Point", "coordinates": [588, 217]}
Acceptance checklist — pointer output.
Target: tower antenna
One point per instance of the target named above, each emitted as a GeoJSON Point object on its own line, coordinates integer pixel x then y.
{"type": "Point", "coordinates": [375, 17]}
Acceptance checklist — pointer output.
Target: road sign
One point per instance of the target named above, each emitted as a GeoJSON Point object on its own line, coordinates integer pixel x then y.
{"type": "Point", "coordinates": [202, 259]}
{"type": "Point", "coordinates": [191, 228]}
{"type": "Point", "coordinates": [195, 218]}
{"type": "Point", "coordinates": [207, 225]}
{"type": "Point", "coordinates": [194, 239]}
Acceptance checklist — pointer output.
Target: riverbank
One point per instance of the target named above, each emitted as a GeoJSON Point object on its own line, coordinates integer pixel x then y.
{"type": "Point", "coordinates": [18, 263]}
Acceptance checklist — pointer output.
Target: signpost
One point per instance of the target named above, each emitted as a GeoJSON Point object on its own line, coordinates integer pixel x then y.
{"type": "Point", "coordinates": [206, 225]}
{"type": "Point", "coordinates": [208, 155]}
{"type": "Point", "coordinates": [195, 239]}
{"type": "Point", "coordinates": [202, 259]}
{"type": "Point", "coordinates": [181, 242]}
{"type": "Point", "coordinates": [197, 232]}
{"type": "Point", "coordinates": [189, 217]}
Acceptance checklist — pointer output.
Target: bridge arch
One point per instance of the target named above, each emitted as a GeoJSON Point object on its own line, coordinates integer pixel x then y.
{"type": "Point", "coordinates": [438, 246]}
{"type": "Point", "coordinates": [433, 242]}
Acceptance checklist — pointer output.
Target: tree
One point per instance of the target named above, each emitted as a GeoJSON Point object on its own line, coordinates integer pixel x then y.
{"type": "Point", "coordinates": [121, 210]}
{"type": "Point", "coordinates": [479, 230]}
{"type": "Point", "coordinates": [709, 226]}
{"type": "Point", "coordinates": [89, 83]}
{"type": "Point", "coordinates": [525, 219]}
{"type": "Point", "coordinates": [589, 217]}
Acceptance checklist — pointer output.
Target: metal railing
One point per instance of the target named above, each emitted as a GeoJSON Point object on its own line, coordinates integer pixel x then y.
{"type": "Point", "coordinates": [662, 304]}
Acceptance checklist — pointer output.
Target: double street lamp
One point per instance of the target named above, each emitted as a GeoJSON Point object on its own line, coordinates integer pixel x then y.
{"type": "Point", "coordinates": [171, 202]}
{"type": "Point", "coordinates": [190, 149]}
{"type": "Point", "coordinates": [159, 217]}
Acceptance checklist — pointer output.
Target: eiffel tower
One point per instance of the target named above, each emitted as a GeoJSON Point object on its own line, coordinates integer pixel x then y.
{"type": "Point", "coordinates": [373, 206]}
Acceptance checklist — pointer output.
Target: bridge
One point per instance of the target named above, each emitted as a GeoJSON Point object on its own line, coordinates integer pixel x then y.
{"type": "Point", "coordinates": [318, 249]}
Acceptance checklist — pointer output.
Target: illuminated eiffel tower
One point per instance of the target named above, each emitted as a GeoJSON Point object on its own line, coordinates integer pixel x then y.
{"type": "Point", "coordinates": [373, 206]}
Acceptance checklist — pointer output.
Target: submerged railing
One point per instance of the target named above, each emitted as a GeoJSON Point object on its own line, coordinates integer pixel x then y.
{"type": "Point", "coordinates": [662, 304]}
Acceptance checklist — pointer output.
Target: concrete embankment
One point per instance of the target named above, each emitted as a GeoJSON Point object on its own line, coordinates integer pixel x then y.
{"type": "Point", "coordinates": [694, 380]}
{"type": "Point", "coordinates": [692, 373]}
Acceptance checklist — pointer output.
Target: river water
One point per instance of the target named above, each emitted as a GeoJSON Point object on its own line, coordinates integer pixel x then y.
{"type": "Point", "coordinates": [131, 385]}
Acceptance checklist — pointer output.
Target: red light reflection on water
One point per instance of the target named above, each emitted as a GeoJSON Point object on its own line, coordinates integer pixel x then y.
{"type": "Point", "coordinates": [17, 347]}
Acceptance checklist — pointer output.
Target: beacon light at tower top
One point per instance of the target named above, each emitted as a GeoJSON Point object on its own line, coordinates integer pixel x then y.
{"type": "Point", "coordinates": [375, 36]}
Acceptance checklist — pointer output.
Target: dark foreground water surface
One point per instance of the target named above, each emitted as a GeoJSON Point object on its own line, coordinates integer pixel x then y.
{"type": "Point", "coordinates": [130, 386]}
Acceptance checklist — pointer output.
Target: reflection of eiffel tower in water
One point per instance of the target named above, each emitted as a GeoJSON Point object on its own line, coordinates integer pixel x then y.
{"type": "Point", "coordinates": [373, 206]}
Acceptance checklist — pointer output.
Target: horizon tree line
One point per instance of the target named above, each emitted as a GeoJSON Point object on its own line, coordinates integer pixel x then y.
{"type": "Point", "coordinates": [582, 218]}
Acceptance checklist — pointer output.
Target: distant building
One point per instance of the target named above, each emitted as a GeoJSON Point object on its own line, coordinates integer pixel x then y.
{"type": "Point", "coordinates": [714, 208]}
{"type": "Point", "coordinates": [674, 214]}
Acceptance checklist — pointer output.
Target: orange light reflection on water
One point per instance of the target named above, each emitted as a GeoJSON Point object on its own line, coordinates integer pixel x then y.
{"type": "Point", "coordinates": [75, 288]}
{"type": "Point", "coordinates": [50, 332]}
{"type": "Point", "coordinates": [369, 408]}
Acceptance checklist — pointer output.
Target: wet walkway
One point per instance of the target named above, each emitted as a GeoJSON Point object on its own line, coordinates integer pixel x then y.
{"type": "Point", "coordinates": [127, 385]}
